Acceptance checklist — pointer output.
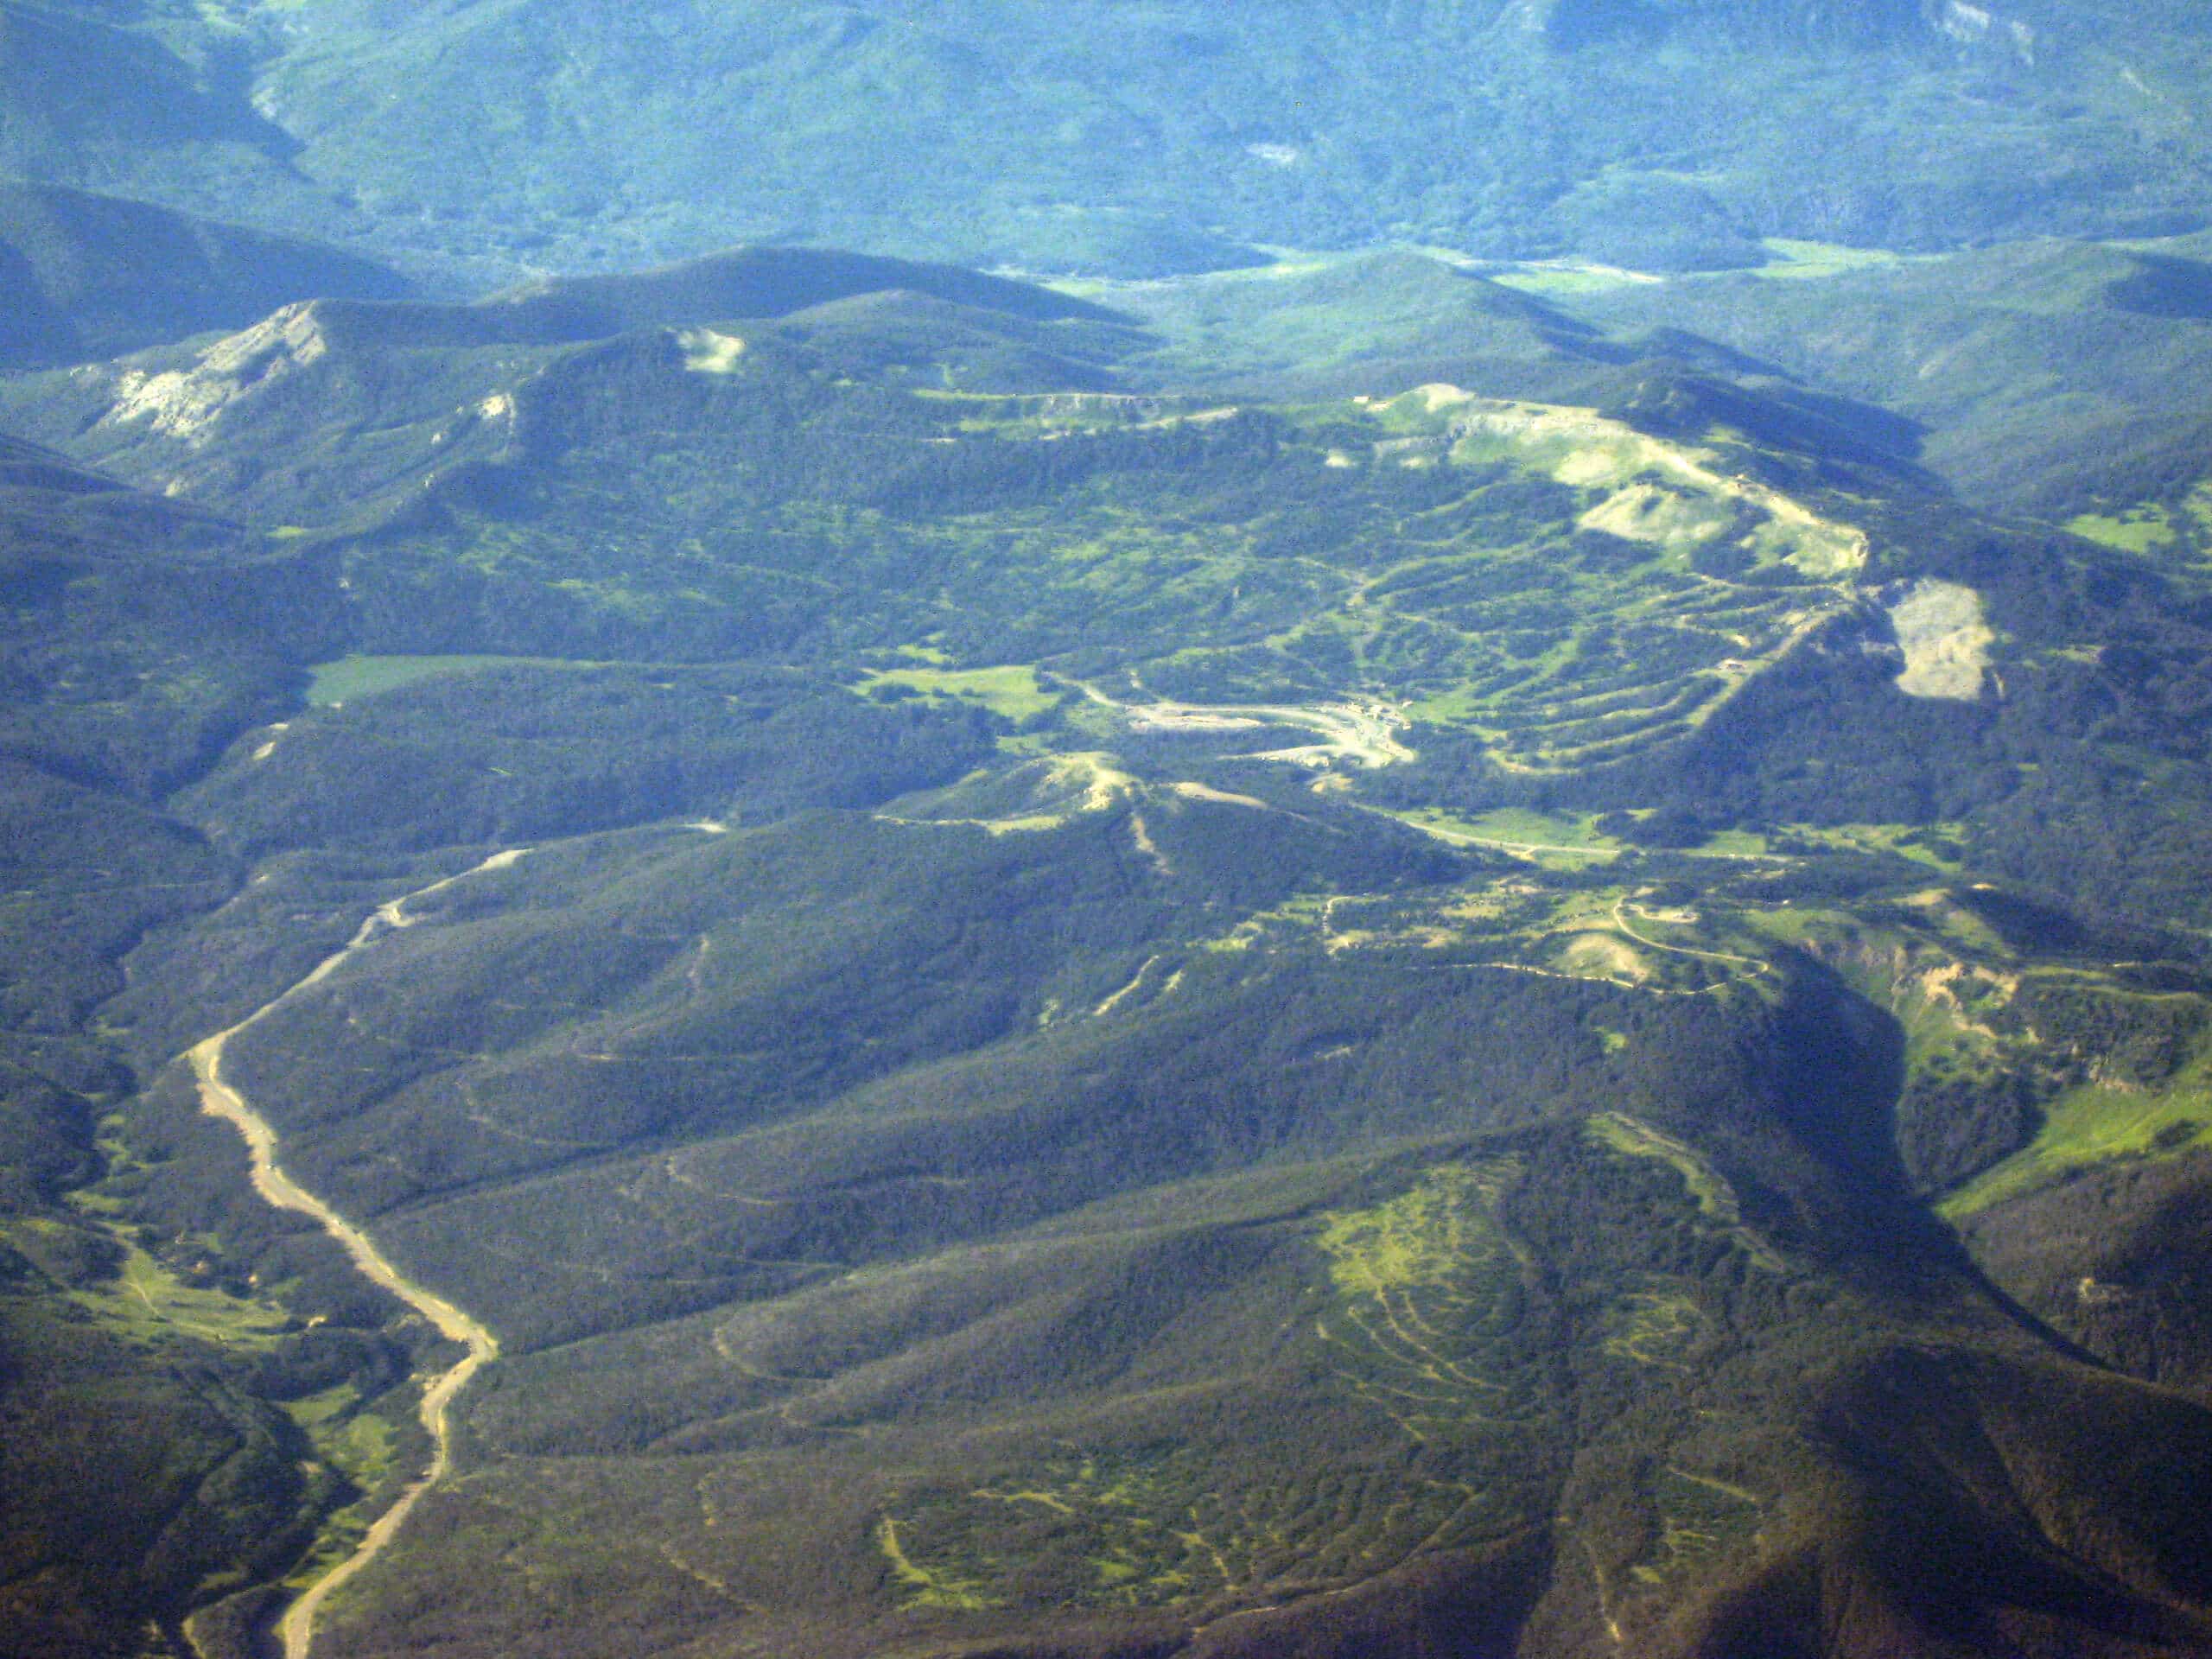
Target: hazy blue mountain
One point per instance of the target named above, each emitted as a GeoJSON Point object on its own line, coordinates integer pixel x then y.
{"type": "Point", "coordinates": [471, 138]}
{"type": "Point", "coordinates": [85, 277]}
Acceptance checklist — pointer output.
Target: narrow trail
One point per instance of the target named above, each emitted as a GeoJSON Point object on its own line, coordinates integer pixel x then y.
{"type": "Point", "coordinates": [1620, 924]}
{"type": "Point", "coordinates": [221, 1099]}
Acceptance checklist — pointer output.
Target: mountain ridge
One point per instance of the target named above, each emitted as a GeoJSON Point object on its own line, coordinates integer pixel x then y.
{"type": "Point", "coordinates": [1401, 849]}
{"type": "Point", "coordinates": [347, 116]}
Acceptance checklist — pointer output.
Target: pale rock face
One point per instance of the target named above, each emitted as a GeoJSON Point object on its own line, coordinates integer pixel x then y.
{"type": "Point", "coordinates": [1972, 25]}
{"type": "Point", "coordinates": [1946, 639]}
{"type": "Point", "coordinates": [706, 351]}
{"type": "Point", "coordinates": [186, 403]}
{"type": "Point", "coordinates": [1964, 22]}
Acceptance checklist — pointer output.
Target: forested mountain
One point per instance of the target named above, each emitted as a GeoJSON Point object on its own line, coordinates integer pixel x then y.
{"type": "Point", "coordinates": [85, 277]}
{"type": "Point", "coordinates": [1716, 144]}
{"type": "Point", "coordinates": [1460, 905]}
{"type": "Point", "coordinates": [1129, 140]}
{"type": "Point", "coordinates": [1590, 953]}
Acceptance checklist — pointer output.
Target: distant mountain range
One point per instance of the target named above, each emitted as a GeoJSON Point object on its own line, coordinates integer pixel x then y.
{"type": "Point", "coordinates": [471, 142]}
{"type": "Point", "coordinates": [85, 277]}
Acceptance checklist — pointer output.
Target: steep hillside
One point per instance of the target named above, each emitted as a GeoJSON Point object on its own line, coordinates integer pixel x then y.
{"type": "Point", "coordinates": [85, 277]}
{"type": "Point", "coordinates": [337, 410]}
{"type": "Point", "coordinates": [1311, 885]}
{"type": "Point", "coordinates": [2047, 376]}
{"type": "Point", "coordinates": [173, 1434]}
{"type": "Point", "coordinates": [937, 955]}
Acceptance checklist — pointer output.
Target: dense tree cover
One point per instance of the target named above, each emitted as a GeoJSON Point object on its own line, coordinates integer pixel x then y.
{"type": "Point", "coordinates": [1953, 1123]}
{"type": "Point", "coordinates": [886, 1040]}
{"type": "Point", "coordinates": [150, 1469]}
{"type": "Point", "coordinates": [509, 753]}
{"type": "Point", "coordinates": [2116, 1259]}
{"type": "Point", "coordinates": [1647, 134]}
{"type": "Point", "coordinates": [152, 1485]}
{"type": "Point", "coordinates": [85, 277]}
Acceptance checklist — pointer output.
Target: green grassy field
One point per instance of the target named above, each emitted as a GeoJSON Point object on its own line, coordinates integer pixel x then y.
{"type": "Point", "coordinates": [2141, 530]}
{"type": "Point", "coordinates": [1797, 261]}
{"type": "Point", "coordinates": [1012, 690]}
{"type": "Point", "coordinates": [361, 1446]}
{"type": "Point", "coordinates": [1548, 840]}
{"type": "Point", "coordinates": [2094, 1125]}
{"type": "Point", "coordinates": [147, 1302]}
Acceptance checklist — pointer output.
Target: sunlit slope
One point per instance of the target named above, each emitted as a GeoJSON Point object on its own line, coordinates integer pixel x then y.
{"type": "Point", "coordinates": [1181, 1109]}
{"type": "Point", "coordinates": [1666, 593]}
{"type": "Point", "coordinates": [2052, 377]}
{"type": "Point", "coordinates": [1571, 587]}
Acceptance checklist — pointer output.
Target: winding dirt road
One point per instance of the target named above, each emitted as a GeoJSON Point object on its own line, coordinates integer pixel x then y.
{"type": "Point", "coordinates": [221, 1099]}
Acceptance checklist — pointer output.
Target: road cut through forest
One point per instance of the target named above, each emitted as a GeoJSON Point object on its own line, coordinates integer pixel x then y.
{"type": "Point", "coordinates": [218, 1099]}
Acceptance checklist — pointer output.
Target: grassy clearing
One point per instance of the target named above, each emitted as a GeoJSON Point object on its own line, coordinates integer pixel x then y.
{"type": "Point", "coordinates": [1564, 279]}
{"type": "Point", "coordinates": [1039, 794]}
{"type": "Point", "coordinates": [1012, 690]}
{"type": "Point", "coordinates": [1549, 841]}
{"type": "Point", "coordinates": [1732, 844]}
{"type": "Point", "coordinates": [1575, 830]}
{"type": "Point", "coordinates": [923, 1587]}
{"type": "Point", "coordinates": [1462, 706]}
{"type": "Point", "coordinates": [2096, 1125]}
{"type": "Point", "coordinates": [1624, 1134]}
{"type": "Point", "coordinates": [357, 1442]}
{"type": "Point", "coordinates": [361, 1446]}
{"type": "Point", "coordinates": [1797, 261]}
{"type": "Point", "coordinates": [146, 1303]}
{"type": "Point", "coordinates": [1939, 846]}
{"type": "Point", "coordinates": [2142, 530]}
{"type": "Point", "coordinates": [1302, 916]}
{"type": "Point", "coordinates": [1422, 1240]}
{"type": "Point", "coordinates": [1603, 955]}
